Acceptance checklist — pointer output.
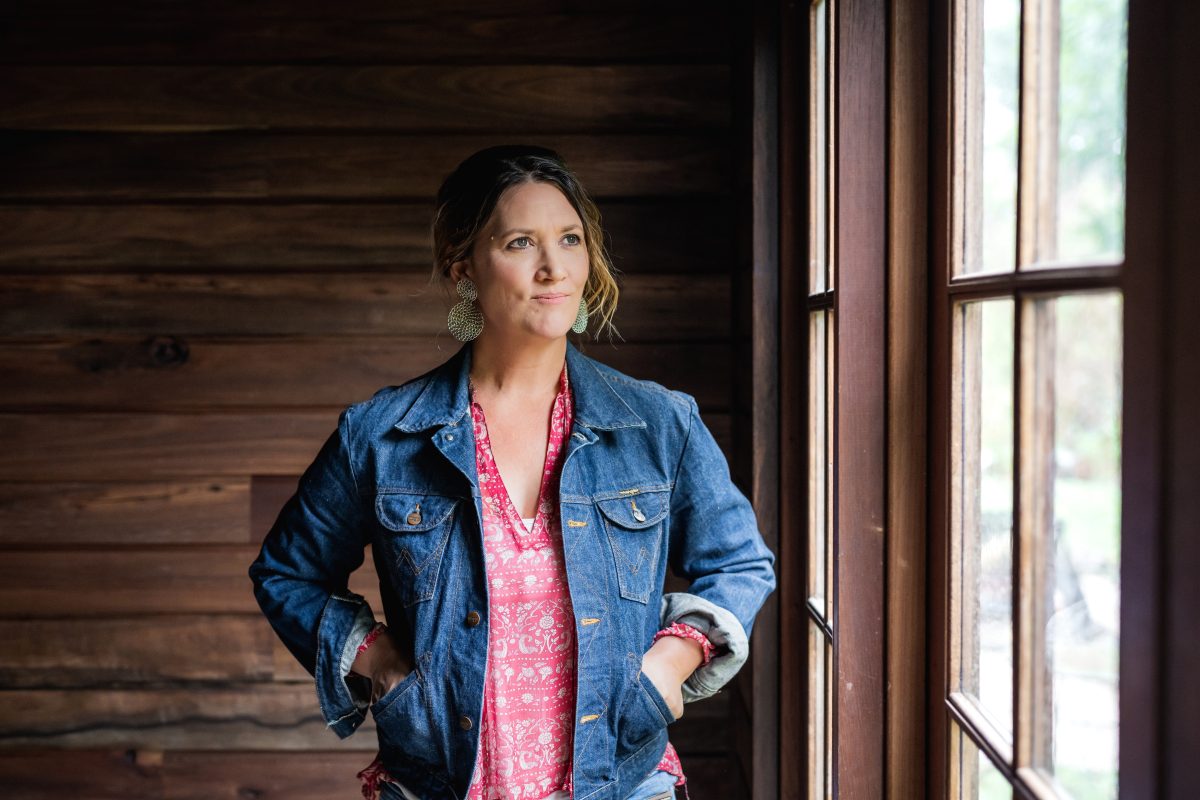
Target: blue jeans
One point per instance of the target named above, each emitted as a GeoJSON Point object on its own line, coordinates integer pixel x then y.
{"type": "Point", "coordinates": [658, 786]}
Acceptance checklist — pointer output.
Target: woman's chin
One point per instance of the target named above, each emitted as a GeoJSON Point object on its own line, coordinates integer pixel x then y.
{"type": "Point", "coordinates": [543, 331]}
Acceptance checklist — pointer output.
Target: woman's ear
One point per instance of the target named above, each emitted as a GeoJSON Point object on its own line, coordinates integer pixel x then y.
{"type": "Point", "coordinates": [458, 270]}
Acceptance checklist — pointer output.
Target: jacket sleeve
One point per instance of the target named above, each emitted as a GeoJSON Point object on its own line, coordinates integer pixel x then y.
{"type": "Point", "coordinates": [301, 574]}
{"type": "Point", "coordinates": [714, 543]}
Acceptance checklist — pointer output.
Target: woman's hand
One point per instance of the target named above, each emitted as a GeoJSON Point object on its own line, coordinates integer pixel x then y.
{"type": "Point", "coordinates": [384, 663]}
{"type": "Point", "coordinates": [667, 664]}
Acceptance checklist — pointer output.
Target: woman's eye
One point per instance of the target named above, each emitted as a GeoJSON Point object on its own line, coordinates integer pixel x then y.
{"type": "Point", "coordinates": [519, 239]}
{"type": "Point", "coordinates": [574, 237]}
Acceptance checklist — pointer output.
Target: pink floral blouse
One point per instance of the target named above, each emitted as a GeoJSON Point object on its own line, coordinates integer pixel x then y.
{"type": "Point", "coordinates": [526, 730]}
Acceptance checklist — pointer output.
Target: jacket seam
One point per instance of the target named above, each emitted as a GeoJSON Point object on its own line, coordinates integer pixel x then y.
{"type": "Point", "coordinates": [345, 437]}
{"type": "Point", "coordinates": [687, 438]}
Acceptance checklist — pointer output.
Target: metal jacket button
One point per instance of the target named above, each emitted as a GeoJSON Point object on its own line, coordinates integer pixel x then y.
{"type": "Point", "coordinates": [414, 516]}
{"type": "Point", "coordinates": [464, 722]}
{"type": "Point", "coordinates": [637, 512]}
{"type": "Point", "coordinates": [473, 619]}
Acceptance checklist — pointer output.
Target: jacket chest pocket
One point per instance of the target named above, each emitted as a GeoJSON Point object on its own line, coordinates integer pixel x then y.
{"type": "Point", "coordinates": [634, 520]}
{"type": "Point", "coordinates": [417, 529]}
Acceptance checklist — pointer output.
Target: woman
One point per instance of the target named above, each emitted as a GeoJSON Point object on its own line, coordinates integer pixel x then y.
{"type": "Point", "coordinates": [523, 502]}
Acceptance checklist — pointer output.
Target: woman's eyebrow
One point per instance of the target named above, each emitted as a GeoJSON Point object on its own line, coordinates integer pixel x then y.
{"type": "Point", "coordinates": [528, 231]}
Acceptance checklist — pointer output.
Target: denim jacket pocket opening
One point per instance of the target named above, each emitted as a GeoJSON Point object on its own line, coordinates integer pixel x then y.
{"type": "Point", "coordinates": [417, 531]}
{"type": "Point", "coordinates": [644, 712]}
{"type": "Point", "coordinates": [405, 719]}
{"type": "Point", "coordinates": [634, 521]}
{"type": "Point", "coordinates": [388, 700]}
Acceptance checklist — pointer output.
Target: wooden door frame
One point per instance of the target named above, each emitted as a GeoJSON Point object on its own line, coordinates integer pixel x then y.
{"type": "Point", "coordinates": [878, 595]}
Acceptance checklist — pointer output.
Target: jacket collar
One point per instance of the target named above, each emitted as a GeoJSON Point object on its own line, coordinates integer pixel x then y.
{"type": "Point", "coordinates": [445, 399]}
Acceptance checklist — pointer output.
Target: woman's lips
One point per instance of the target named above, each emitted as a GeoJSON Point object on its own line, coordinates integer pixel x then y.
{"type": "Point", "coordinates": [551, 297]}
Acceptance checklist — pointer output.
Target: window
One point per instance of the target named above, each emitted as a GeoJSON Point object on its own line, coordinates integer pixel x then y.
{"type": "Point", "coordinates": [820, 438]}
{"type": "Point", "coordinates": [1028, 319]}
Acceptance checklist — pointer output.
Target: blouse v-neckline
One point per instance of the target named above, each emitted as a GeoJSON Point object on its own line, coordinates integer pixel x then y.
{"type": "Point", "coordinates": [559, 409]}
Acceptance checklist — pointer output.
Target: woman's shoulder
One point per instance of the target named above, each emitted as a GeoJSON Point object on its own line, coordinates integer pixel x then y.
{"type": "Point", "coordinates": [645, 396]}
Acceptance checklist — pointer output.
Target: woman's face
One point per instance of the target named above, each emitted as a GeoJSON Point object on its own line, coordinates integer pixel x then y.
{"type": "Point", "coordinates": [529, 263]}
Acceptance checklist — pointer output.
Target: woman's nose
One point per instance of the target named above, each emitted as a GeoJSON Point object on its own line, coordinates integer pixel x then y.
{"type": "Point", "coordinates": [553, 267]}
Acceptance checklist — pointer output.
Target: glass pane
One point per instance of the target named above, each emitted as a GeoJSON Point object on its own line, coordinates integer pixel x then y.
{"type": "Point", "coordinates": [819, 460]}
{"type": "Point", "coordinates": [989, 113]}
{"type": "Point", "coordinates": [830, 351]}
{"type": "Point", "coordinates": [818, 732]}
{"type": "Point", "coordinates": [982, 506]}
{"type": "Point", "coordinates": [819, 138]}
{"type": "Point", "coordinates": [1077, 541]}
{"type": "Point", "coordinates": [1086, 172]}
{"type": "Point", "coordinates": [973, 775]}
{"type": "Point", "coordinates": [829, 706]}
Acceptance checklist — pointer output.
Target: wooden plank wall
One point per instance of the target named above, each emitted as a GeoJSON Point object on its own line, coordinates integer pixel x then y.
{"type": "Point", "coordinates": [214, 236]}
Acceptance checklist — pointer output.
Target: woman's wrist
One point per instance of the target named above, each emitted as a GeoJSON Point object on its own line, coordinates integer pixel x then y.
{"type": "Point", "coordinates": [678, 654]}
{"type": "Point", "coordinates": [688, 632]}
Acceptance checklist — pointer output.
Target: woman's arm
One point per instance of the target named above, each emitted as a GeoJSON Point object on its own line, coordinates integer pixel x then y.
{"type": "Point", "coordinates": [715, 543]}
{"type": "Point", "coordinates": [301, 573]}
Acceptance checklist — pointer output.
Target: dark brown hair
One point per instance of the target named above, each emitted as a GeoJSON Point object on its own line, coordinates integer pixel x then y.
{"type": "Point", "coordinates": [469, 194]}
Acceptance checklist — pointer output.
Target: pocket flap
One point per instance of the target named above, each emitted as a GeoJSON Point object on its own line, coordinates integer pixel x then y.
{"type": "Point", "coordinates": [405, 512]}
{"type": "Point", "coordinates": [636, 509]}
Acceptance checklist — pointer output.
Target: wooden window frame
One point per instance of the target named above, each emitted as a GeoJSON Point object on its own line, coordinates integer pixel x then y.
{"type": "Point", "coordinates": [858, 597]}
{"type": "Point", "coordinates": [1137, 278]}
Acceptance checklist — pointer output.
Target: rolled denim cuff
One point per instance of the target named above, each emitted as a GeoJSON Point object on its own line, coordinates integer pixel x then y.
{"type": "Point", "coordinates": [344, 623]}
{"type": "Point", "coordinates": [722, 629]}
{"type": "Point", "coordinates": [360, 687]}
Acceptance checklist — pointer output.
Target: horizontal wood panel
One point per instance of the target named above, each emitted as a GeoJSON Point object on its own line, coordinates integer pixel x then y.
{"type": "Point", "coordinates": [192, 775]}
{"type": "Point", "coordinates": [652, 236]}
{"type": "Point", "coordinates": [256, 716]}
{"type": "Point", "coordinates": [210, 511]}
{"type": "Point", "coordinates": [173, 373]}
{"type": "Point", "coordinates": [143, 446]}
{"type": "Point", "coordinates": [148, 446]}
{"type": "Point", "coordinates": [134, 581]}
{"type": "Point", "coordinates": [655, 307]}
{"type": "Point", "coordinates": [486, 33]}
{"type": "Point", "coordinates": [107, 651]}
{"type": "Point", "coordinates": [239, 11]}
{"type": "Point", "coordinates": [442, 97]}
{"type": "Point", "coordinates": [112, 774]}
{"type": "Point", "coordinates": [276, 716]}
{"type": "Point", "coordinates": [234, 165]}
{"type": "Point", "coordinates": [135, 774]}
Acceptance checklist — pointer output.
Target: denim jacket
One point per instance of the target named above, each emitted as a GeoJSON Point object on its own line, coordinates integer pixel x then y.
{"type": "Point", "coordinates": [643, 484]}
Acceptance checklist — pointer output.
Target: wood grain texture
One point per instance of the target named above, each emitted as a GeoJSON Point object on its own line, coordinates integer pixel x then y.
{"type": "Point", "coordinates": [147, 774]}
{"type": "Point", "coordinates": [440, 97]}
{"type": "Point", "coordinates": [255, 716]}
{"type": "Point", "coordinates": [213, 236]}
{"type": "Point", "coordinates": [644, 236]}
{"type": "Point", "coordinates": [656, 307]}
{"type": "Point", "coordinates": [161, 446]}
{"type": "Point", "coordinates": [40, 584]}
{"type": "Point", "coordinates": [32, 773]}
{"type": "Point", "coordinates": [861, 444]}
{"type": "Point", "coordinates": [907, 400]}
{"type": "Point", "coordinates": [178, 373]}
{"type": "Point", "coordinates": [322, 167]}
{"type": "Point", "coordinates": [195, 511]}
{"type": "Point", "coordinates": [221, 34]}
{"type": "Point", "coordinates": [108, 651]}
{"type": "Point", "coordinates": [234, 716]}
{"type": "Point", "coordinates": [141, 446]}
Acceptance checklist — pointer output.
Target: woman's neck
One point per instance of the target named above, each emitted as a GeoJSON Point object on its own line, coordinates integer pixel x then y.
{"type": "Point", "coordinates": [525, 370]}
